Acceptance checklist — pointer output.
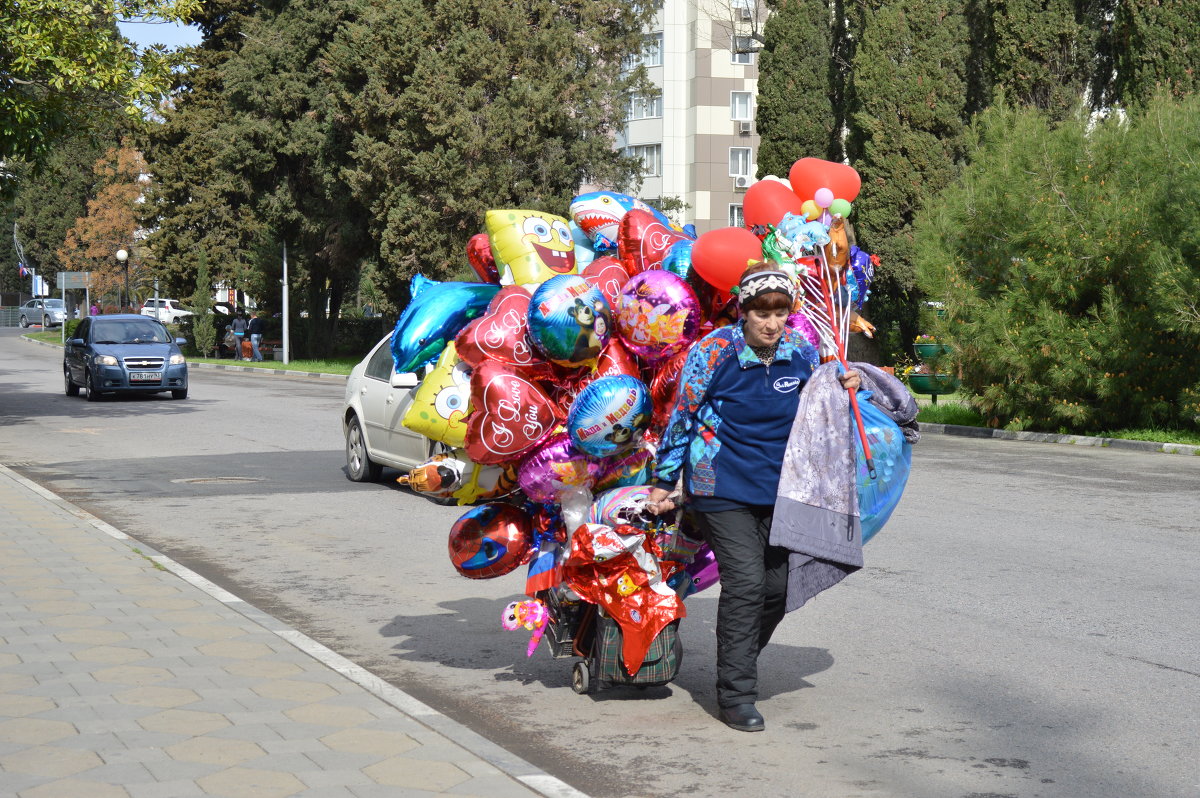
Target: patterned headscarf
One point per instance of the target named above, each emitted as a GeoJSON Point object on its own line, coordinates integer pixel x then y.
{"type": "Point", "coordinates": [764, 283]}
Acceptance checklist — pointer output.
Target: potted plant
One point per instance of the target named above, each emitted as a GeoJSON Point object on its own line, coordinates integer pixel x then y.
{"type": "Point", "coordinates": [928, 346]}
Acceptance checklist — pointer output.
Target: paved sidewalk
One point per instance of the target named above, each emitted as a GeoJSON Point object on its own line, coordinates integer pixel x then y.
{"type": "Point", "coordinates": [124, 674]}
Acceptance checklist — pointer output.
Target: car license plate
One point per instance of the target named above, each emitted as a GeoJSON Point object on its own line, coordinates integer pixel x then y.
{"type": "Point", "coordinates": [145, 376]}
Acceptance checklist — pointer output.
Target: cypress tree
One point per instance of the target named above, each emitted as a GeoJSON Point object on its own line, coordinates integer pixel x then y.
{"type": "Point", "coordinates": [908, 102]}
{"type": "Point", "coordinates": [1156, 48]}
{"type": "Point", "coordinates": [797, 115]}
{"type": "Point", "coordinates": [204, 331]}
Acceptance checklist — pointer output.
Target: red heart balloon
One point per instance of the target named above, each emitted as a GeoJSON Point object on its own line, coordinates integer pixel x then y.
{"type": "Point", "coordinates": [720, 256]}
{"type": "Point", "coordinates": [809, 174]}
{"type": "Point", "coordinates": [767, 201]}
{"type": "Point", "coordinates": [502, 335]}
{"type": "Point", "coordinates": [608, 275]}
{"type": "Point", "coordinates": [511, 416]}
{"type": "Point", "coordinates": [643, 241]}
{"type": "Point", "coordinates": [479, 255]}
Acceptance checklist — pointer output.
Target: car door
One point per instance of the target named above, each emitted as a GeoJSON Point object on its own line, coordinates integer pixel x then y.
{"type": "Point", "coordinates": [74, 354]}
{"type": "Point", "coordinates": [384, 406]}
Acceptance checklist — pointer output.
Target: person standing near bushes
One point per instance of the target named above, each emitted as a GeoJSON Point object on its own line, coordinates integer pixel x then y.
{"type": "Point", "coordinates": [239, 327]}
{"type": "Point", "coordinates": [258, 326]}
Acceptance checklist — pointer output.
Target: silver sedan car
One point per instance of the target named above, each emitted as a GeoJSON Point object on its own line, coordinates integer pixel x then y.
{"type": "Point", "coordinates": [376, 400]}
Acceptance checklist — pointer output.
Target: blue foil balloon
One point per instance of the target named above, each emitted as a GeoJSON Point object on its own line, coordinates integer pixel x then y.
{"type": "Point", "coordinates": [436, 313]}
{"type": "Point", "coordinates": [609, 415]}
{"type": "Point", "coordinates": [878, 497]}
{"type": "Point", "coordinates": [569, 320]}
{"type": "Point", "coordinates": [679, 259]}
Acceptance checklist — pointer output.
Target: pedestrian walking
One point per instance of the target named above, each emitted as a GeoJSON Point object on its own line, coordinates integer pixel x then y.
{"type": "Point", "coordinates": [258, 326]}
{"type": "Point", "coordinates": [239, 325]}
{"type": "Point", "coordinates": [94, 310]}
{"type": "Point", "coordinates": [726, 438]}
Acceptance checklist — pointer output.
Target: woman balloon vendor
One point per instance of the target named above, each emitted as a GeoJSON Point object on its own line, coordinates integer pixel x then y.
{"type": "Point", "coordinates": [726, 438]}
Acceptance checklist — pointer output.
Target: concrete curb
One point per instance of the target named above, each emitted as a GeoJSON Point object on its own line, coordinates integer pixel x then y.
{"type": "Point", "coordinates": [1049, 437]}
{"type": "Point", "coordinates": [518, 769]}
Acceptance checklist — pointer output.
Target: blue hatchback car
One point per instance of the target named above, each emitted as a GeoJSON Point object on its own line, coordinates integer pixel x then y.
{"type": "Point", "coordinates": [124, 353]}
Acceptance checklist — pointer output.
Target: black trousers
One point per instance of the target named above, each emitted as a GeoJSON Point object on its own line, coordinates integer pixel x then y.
{"type": "Point", "coordinates": [753, 592]}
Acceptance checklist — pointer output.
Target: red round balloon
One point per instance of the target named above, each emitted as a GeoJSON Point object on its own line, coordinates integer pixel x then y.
{"type": "Point", "coordinates": [491, 540]}
{"type": "Point", "coordinates": [767, 201]}
{"type": "Point", "coordinates": [511, 415]}
{"type": "Point", "coordinates": [479, 255]}
{"type": "Point", "coordinates": [809, 174]}
{"type": "Point", "coordinates": [644, 241]}
{"type": "Point", "coordinates": [721, 255]}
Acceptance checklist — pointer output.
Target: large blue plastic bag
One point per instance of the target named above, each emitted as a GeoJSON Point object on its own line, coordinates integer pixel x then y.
{"type": "Point", "coordinates": [892, 455]}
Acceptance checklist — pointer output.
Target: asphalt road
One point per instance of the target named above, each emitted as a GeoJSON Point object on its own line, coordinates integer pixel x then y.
{"type": "Point", "coordinates": [1026, 624]}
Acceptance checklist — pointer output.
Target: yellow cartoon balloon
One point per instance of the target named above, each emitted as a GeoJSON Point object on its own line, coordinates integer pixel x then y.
{"type": "Point", "coordinates": [442, 402]}
{"type": "Point", "coordinates": [530, 246]}
{"type": "Point", "coordinates": [483, 482]}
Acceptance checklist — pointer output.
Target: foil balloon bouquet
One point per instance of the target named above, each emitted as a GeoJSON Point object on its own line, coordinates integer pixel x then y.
{"type": "Point", "coordinates": [545, 387]}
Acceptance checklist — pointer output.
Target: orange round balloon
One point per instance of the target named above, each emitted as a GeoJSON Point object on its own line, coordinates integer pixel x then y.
{"type": "Point", "coordinates": [809, 174]}
{"type": "Point", "coordinates": [720, 256]}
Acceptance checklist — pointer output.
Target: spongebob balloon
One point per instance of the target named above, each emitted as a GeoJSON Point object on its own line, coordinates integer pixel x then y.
{"type": "Point", "coordinates": [532, 246]}
{"type": "Point", "coordinates": [442, 401]}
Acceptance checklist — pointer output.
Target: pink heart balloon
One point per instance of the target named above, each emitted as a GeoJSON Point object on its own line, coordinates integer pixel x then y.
{"type": "Point", "coordinates": [644, 241]}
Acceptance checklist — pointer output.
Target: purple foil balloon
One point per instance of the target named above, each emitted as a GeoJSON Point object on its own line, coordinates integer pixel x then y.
{"type": "Point", "coordinates": [659, 315]}
{"type": "Point", "coordinates": [555, 466]}
{"type": "Point", "coordinates": [803, 326]}
{"type": "Point", "coordinates": [703, 569]}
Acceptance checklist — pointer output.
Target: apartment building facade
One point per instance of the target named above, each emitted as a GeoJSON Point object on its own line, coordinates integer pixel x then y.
{"type": "Point", "coordinates": [697, 139]}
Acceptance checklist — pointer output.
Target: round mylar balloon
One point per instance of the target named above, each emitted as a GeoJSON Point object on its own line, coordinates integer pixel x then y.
{"type": "Point", "coordinates": [533, 246]}
{"type": "Point", "coordinates": [609, 415]}
{"type": "Point", "coordinates": [618, 506]}
{"type": "Point", "coordinates": [679, 259]}
{"type": "Point", "coordinates": [659, 315]}
{"type": "Point", "coordinates": [554, 467]}
{"type": "Point", "coordinates": [490, 540]}
{"type": "Point", "coordinates": [569, 320]}
{"type": "Point", "coordinates": [433, 317]}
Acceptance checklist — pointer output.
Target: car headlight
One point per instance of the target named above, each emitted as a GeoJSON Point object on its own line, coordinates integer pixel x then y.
{"type": "Point", "coordinates": [177, 360]}
{"type": "Point", "coordinates": [105, 360]}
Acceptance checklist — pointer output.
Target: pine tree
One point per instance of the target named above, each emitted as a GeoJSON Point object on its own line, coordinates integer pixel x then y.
{"type": "Point", "coordinates": [798, 82]}
{"type": "Point", "coordinates": [908, 100]}
{"type": "Point", "coordinates": [1069, 262]}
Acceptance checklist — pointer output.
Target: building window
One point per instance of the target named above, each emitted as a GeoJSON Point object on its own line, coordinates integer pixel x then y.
{"type": "Point", "coordinates": [652, 50]}
{"type": "Point", "coordinates": [739, 161]}
{"type": "Point", "coordinates": [742, 45]}
{"type": "Point", "coordinates": [736, 216]}
{"type": "Point", "coordinates": [642, 107]}
{"type": "Point", "coordinates": [651, 157]}
{"type": "Point", "coordinates": [739, 106]}
{"type": "Point", "coordinates": [650, 55]}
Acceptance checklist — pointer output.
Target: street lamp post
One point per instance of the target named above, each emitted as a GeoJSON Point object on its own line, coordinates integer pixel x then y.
{"type": "Point", "coordinates": [123, 259]}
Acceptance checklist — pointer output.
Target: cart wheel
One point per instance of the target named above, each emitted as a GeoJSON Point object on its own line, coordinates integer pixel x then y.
{"type": "Point", "coordinates": [580, 677]}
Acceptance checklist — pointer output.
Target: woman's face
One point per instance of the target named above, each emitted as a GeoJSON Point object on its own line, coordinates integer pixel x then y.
{"type": "Point", "coordinates": [765, 327]}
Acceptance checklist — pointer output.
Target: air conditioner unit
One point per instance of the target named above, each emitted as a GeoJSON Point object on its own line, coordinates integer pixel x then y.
{"type": "Point", "coordinates": [745, 12]}
{"type": "Point", "coordinates": [741, 181]}
{"type": "Point", "coordinates": [745, 127]}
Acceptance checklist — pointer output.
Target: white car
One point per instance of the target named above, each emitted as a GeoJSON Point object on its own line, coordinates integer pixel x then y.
{"type": "Point", "coordinates": [46, 312]}
{"type": "Point", "coordinates": [376, 400]}
{"type": "Point", "coordinates": [168, 311]}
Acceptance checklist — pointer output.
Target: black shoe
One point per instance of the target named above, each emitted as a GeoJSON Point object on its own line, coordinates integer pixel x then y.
{"type": "Point", "coordinates": [743, 717]}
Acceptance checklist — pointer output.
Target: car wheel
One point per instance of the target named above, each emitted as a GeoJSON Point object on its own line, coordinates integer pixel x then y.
{"type": "Point", "coordinates": [359, 467]}
{"type": "Point", "coordinates": [72, 388]}
{"type": "Point", "coordinates": [182, 394]}
{"type": "Point", "coordinates": [24, 321]}
{"type": "Point", "coordinates": [89, 388]}
{"type": "Point", "coordinates": [46, 325]}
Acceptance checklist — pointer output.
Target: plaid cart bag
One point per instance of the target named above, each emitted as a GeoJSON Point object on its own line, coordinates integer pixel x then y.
{"type": "Point", "coordinates": [603, 666]}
